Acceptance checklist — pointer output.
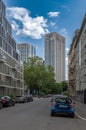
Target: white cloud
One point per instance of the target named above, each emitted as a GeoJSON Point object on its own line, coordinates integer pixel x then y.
{"type": "Point", "coordinates": [14, 25]}
{"type": "Point", "coordinates": [67, 49]}
{"type": "Point", "coordinates": [66, 59]}
{"type": "Point", "coordinates": [32, 27]}
{"type": "Point", "coordinates": [53, 14]}
{"type": "Point", "coordinates": [52, 24]}
{"type": "Point", "coordinates": [64, 32]}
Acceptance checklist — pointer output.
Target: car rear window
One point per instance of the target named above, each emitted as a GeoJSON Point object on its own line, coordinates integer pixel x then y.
{"type": "Point", "coordinates": [63, 100]}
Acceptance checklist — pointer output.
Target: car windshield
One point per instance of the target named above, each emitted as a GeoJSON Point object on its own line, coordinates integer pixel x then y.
{"type": "Point", "coordinates": [6, 97]}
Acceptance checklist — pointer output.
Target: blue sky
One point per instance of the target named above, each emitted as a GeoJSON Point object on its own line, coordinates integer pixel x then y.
{"type": "Point", "coordinates": [31, 19]}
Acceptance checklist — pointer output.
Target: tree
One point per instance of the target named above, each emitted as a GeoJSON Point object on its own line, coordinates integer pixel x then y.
{"type": "Point", "coordinates": [41, 78]}
{"type": "Point", "coordinates": [64, 85]}
{"type": "Point", "coordinates": [37, 76]}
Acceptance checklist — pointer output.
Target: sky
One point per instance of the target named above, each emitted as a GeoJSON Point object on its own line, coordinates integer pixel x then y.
{"type": "Point", "coordinates": [32, 19]}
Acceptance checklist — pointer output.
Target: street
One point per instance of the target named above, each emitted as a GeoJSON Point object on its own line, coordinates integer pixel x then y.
{"type": "Point", "coordinates": [36, 116]}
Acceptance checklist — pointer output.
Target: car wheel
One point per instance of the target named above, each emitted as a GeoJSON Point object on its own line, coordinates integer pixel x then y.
{"type": "Point", "coordinates": [72, 115]}
{"type": "Point", "coordinates": [31, 100]}
{"type": "Point", "coordinates": [52, 114]}
{"type": "Point", "coordinates": [13, 104]}
{"type": "Point", "coordinates": [8, 104]}
{"type": "Point", "coordinates": [0, 105]}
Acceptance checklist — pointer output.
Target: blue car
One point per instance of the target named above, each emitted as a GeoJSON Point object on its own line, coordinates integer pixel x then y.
{"type": "Point", "coordinates": [62, 105]}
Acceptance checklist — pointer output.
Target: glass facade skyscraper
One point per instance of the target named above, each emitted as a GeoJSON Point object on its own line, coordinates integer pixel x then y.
{"type": "Point", "coordinates": [26, 51]}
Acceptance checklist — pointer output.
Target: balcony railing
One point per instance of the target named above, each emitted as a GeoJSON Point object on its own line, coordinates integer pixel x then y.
{"type": "Point", "coordinates": [4, 83]}
{"type": "Point", "coordinates": [3, 59]}
{"type": "Point", "coordinates": [11, 75]}
{"type": "Point", "coordinates": [14, 67]}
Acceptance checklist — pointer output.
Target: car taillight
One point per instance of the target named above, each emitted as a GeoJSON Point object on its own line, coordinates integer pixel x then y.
{"type": "Point", "coordinates": [3, 100]}
{"type": "Point", "coordinates": [72, 105]}
{"type": "Point", "coordinates": [53, 103]}
{"type": "Point", "coordinates": [14, 100]}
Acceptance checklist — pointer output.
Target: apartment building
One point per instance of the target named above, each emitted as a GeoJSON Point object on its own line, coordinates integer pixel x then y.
{"type": "Point", "coordinates": [55, 54]}
{"type": "Point", "coordinates": [26, 51]}
{"type": "Point", "coordinates": [11, 68]}
{"type": "Point", "coordinates": [81, 62]}
{"type": "Point", "coordinates": [72, 65]}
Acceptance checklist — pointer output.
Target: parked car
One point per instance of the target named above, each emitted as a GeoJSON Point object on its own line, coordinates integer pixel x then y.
{"type": "Point", "coordinates": [0, 103]}
{"type": "Point", "coordinates": [21, 99]}
{"type": "Point", "coordinates": [62, 105]}
{"type": "Point", "coordinates": [29, 97]}
{"type": "Point", "coordinates": [49, 95]}
{"type": "Point", "coordinates": [7, 101]}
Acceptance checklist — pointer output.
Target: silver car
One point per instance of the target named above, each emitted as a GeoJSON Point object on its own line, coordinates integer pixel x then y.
{"type": "Point", "coordinates": [21, 99]}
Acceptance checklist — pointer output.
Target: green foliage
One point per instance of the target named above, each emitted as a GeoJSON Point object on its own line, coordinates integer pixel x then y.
{"type": "Point", "coordinates": [64, 85]}
{"type": "Point", "coordinates": [37, 76]}
{"type": "Point", "coordinates": [12, 96]}
{"type": "Point", "coordinates": [67, 93]}
{"type": "Point", "coordinates": [41, 78]}
{"type": "Point", "coordinates": [56, 89]}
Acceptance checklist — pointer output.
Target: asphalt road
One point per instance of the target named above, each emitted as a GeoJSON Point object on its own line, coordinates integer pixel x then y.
{"type": "Point", "coordinates": [36, 116]}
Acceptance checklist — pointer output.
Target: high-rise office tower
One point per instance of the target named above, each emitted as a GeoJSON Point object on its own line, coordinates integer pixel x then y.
{"type": "Point", "coordinates": [11, 69]}
{"type": "Point", "coordinates": [55, 54]}
{"type": "Point", "coordinates": [26, 51]}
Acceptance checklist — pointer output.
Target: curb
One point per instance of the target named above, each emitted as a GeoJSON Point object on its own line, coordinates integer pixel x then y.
{"type": "Point", "coordinates": [82, 118]}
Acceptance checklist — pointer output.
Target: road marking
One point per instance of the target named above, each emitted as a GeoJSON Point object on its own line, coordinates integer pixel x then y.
{"type": "Point", "coordinates": [80, 116]}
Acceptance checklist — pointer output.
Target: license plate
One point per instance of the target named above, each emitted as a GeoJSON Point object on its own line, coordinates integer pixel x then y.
{"type": "Point", "coordinates": [63, 106]}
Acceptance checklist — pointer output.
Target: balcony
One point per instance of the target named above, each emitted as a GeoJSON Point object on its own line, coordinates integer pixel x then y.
{"type": "Point", "coordinates": [4, 83]}
{"type": "Point", "coordinates": [11, 75]}
{"type": "Point", "coordinates": [3, 59]}
{"type": "Point", "coordinates": [15, 67]}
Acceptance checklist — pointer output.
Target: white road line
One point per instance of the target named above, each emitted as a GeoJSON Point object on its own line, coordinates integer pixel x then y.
{"type": "Point", "coordinates": [80, 116]}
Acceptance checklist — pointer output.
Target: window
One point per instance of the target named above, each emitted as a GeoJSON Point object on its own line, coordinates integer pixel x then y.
{"type": "Point", "coordinates": [9, 49]}
{"type": "Point", "coordinates": [85, 61]}
{"type": "Point", "coordinates": [85, 46]}
{"type": "Point", "coordinates": [0, 42]}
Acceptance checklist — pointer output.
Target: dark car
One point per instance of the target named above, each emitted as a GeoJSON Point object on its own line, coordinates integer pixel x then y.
{"type": "Point", "coordinates": [7, 101]}
{"type": "Point", "coordinates": [62, 105]}
{"type": "Point", "coordinates": [0, 103]}
{"type": "Point", "coordinates": [49, 95]}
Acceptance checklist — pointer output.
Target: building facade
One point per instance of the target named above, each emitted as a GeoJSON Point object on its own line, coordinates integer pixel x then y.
{"type": "Point", "coordinates": [55, 54]}
{"type": "Point", "coordinates": [81, 63]}
{"type": "Point", "coordinates": [26, 51]}
{"type": "Point", "coordinates": [72, 65]}
{"type": "Point", "coordinates": [11, 69]}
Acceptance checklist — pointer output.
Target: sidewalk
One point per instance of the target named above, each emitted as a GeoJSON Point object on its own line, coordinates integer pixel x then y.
{"type": "Point", "coordinates": [80, 108]}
